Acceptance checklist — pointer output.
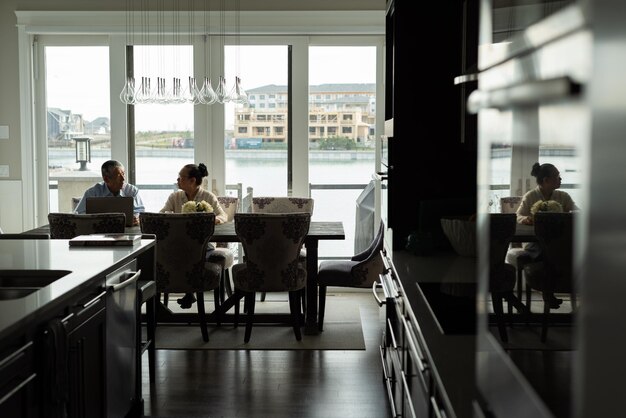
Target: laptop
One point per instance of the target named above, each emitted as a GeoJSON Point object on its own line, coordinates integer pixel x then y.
{"type": "Point", "coordinates": [120, 204]}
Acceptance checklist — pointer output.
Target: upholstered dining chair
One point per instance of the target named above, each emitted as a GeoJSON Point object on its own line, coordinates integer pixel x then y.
{"type": "Point", "coordinates": [70, 225]}
{"type": "Point", "coordinates": [515, 255]}
{"type": "Point", "coordinates": [361, 271]}
{"type": "Point", "coordinates": [271, 245]}
{"type": "Point", "coordinates": [181, 265]}
{"type": "Point", "coordinates": [502, 275]}
{"type": "Point", "coordinates": [553, 272]}
{"type": "Point", "coordinates": [225, 252]}
{"type": "Point", "coordinates": [268, 204]}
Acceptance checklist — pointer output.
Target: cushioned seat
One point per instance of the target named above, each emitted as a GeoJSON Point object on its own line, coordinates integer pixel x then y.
{"type": "Point", "coordinates": [271, 243]}
{"type": "Point", "coordinates": [181, 265]}
{"type": "Point", "coordinates": [361, 271]}
{"type": "Point", "coordinates": [283, 204]}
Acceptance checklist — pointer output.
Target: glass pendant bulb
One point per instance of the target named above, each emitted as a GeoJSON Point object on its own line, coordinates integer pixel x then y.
{"type": "Point", "coordinates": [222, 91]}
{"type": "Point", "coordinates": [207, 94]}
{"type": "Point", "coordinates": [127, 95]}
{"type": "Point", "coordinates": [238, 94]}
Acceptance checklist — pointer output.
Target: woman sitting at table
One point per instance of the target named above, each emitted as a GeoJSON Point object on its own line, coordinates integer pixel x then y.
{"type": "Point", "coordinates": [548, 181]}
{"type": "Point", "coordinates": [189, 182]}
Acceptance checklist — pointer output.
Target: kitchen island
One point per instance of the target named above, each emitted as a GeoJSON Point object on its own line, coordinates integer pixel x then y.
{"type": "Point", "coordinates": [53, 325]}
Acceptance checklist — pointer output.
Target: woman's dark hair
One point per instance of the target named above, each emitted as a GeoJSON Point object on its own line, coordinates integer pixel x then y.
{"type": "Point", "coordinates": [542, 171]}
{"type": "Point", "coordinates": [197, 171]}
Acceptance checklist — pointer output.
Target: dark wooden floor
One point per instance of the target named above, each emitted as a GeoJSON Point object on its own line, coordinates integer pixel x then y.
{"type": "Point", "coordinates": [295, 383]}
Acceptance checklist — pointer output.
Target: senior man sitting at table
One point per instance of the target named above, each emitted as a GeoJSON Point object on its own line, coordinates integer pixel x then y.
{"type": "Point", "coordinates": [113, 184]}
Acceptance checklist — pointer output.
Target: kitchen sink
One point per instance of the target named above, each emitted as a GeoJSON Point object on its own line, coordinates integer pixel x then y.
{"type": "Point", "coordinates": [7, 293]}
{"type": "Point", "coordinates": [29, 278]}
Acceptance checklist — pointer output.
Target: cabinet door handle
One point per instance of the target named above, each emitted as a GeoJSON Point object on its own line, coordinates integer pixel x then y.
{"type": "Point", "coordinates": [375, 286]}
{"type": "Point", "coordinates": [436, 409]}
{"type": "Point", "coordinates": [18, 388]}
{"type": "Point", "coordinates": [13, 355]}
{"type": "Point", "coordinates": [407, 394]}
{"type": "Point", "coordinates": [414, 347]}
{"type": "Point", "coordinates": [529, 93]}
{"type": "Point", "coordinates": [393, 337]}
{"type": "Point", "coordinates": [94, 300]}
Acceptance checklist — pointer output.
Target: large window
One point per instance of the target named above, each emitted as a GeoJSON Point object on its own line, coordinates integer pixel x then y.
{"type": "Point", "coordinates": [164, 133]}
{"type": "Point", "coordinates": [342, 97]}
{"type": "Point", "coordinates": [77, 122]}
{"type": "Point", "coordinates": [256, 143]}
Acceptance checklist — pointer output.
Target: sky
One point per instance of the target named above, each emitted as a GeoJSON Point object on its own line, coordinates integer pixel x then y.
{"type": "Point", "coordinates": [77, 78]}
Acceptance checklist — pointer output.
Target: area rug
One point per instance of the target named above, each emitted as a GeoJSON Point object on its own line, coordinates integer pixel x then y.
{"type": "Point", "coordinates": [342, 331]}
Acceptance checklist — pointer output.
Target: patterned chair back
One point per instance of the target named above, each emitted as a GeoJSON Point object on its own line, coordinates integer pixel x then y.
{"type": "Point", "coordinates": [510, 204]}
{"type": "Point", "coordinates": [182, 239]}
{"type": "Point", "coordinates": [271, 244]}
{"type": "Point", "coordinates": [554, 231]}
{"type": "Point", "coordinates": [501, 230]}
{"type": "Point", "coordinates": [230, 206]}
{"type": "Point", "coordinates": [70, 225]}
{"type": "Point", "coordinates": [282, 204]}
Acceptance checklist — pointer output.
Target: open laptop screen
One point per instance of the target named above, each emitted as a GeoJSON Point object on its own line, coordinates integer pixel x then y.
{"type": "Point", "coordinates": [120, 204]}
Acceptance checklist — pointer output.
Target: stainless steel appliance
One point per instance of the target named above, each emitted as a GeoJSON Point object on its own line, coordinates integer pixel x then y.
{"type": "Point", "coordinates": [121, 337]}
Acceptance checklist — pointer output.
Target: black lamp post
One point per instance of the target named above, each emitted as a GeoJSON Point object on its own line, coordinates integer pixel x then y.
{"type": "Point", "coordinates": [83, 151]}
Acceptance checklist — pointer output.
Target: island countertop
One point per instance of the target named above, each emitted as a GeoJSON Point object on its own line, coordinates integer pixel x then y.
{"type": "Point", "coordinates": [84, 266]}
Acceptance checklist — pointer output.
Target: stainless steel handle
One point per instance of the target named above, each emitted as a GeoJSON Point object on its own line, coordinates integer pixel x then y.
{"type": "Point", "coordinates": [387, 380]}
{"type": "Point", "coordinates": [130, 280]}
{"type": "Point", "coordinates": [375, 286]}
{"type": "Point", "coordinates": [94, 300]}
{"type": "Point", "coordinates": [16, 353]}
{"type": "Point", "coordinates": [393, 337]}
{"type": "Point", "coordinates": [436, 408]}
{"type": "Point", "coordinates": [413, 346]}
{"type": "Point", "coordinates": [530, 93]}
{"type": "Point", "coordinates": [67, 318]}
{"type": "Point", "coordinates": [385, 261]}
{"type": "Point", "coordinates": [18, 388]}
{"type": "Point", "coordinates": [407, 394]}
{"type": "Point", "coordinates": [465, 78]}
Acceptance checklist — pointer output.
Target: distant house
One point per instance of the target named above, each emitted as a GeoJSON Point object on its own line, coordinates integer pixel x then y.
{"type": "Point", "coordinates": [63, 125]}
{"type": "Point", "coordinates": [98, 126]}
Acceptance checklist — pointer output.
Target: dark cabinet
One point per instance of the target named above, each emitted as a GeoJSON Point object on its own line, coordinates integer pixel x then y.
{"type": "Point", "coordinates": [18, 380]}
{"type": "Point", "coordinates": [87, 360]}
{"type": "Point", "coordinates": [406, 371]}
{"type": "Point", "coordinates": [427, 46]}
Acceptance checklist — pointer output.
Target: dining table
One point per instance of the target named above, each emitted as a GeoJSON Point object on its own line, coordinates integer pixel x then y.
{"type": "Point", "coordinates": [318, 231]}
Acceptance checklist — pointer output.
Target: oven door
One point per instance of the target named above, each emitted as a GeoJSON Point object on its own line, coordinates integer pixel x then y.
{"type": "Point", "coordinates": [533, 106]}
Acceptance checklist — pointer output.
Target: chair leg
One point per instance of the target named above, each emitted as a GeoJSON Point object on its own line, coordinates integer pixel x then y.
{"type": "Point", "coordinates": [496, 300]}
{"type": "Point", "coordinates": [321, 307]}
{"type": "Point", "coordinates": [249, 304]}
{"type": "Point", "coordinates": [151, 331]}
{"type": "Point", "coordinates": [166, 299]}
{"type": "Point", "coordinates": [544, 322]}
{"type": "Point", "coordinates": [294, 308]}
{"type": "Point", "coordinates": [202, 315]}
{"type": "Point", "coordinates": [218, 316]}
{"type": "Point", "coordinates": [222, 286]}
{"type": "Point", "coordinates": [227, 286]}
{"type": "Point", "coordinates": [303, 298]}
{"type": "Point", "coordinates": [238, 297]}
{"type": "Point", "coordinates": [262, 296]}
